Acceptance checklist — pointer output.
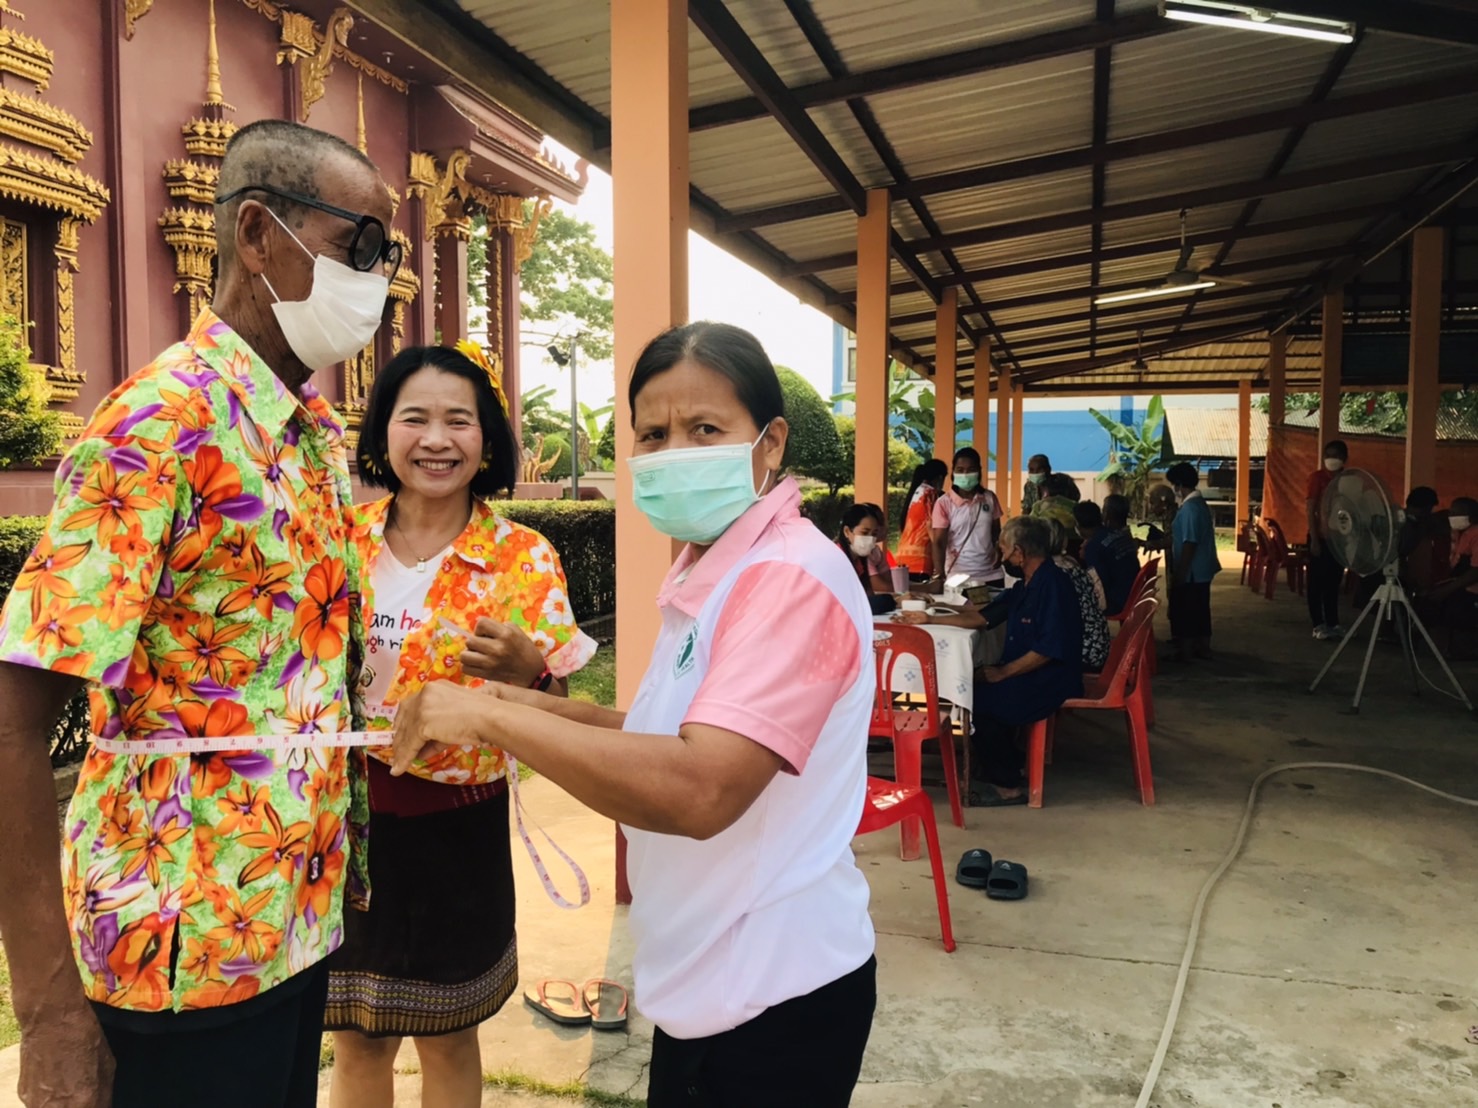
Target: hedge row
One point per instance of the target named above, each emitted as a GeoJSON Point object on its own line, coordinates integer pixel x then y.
{"type": "Point", "coordinates": [825, 509]}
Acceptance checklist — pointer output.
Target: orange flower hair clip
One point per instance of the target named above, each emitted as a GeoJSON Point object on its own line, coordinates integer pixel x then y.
{"type": "Point", "coordinates": [479, 357]}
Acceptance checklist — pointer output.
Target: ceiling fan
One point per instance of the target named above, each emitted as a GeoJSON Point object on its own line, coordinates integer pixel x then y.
{"type": "Point", "coordinates": [1181, 279]}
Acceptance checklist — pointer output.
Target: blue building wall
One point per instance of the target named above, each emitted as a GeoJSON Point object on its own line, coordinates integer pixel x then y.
{"type": "Point", "coordinates": [1073, 440]}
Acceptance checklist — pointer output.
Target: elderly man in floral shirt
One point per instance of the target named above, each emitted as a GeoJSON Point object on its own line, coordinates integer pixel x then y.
{"type": "Point", "coordinates": [196, 573]}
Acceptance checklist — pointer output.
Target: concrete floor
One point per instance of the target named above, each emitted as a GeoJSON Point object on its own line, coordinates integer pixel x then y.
{"type": "Point", "coordinates": [1336, 968]}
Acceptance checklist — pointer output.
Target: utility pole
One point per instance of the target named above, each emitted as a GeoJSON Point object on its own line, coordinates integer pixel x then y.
{"type": "Point", "coordinates": [562, 359]}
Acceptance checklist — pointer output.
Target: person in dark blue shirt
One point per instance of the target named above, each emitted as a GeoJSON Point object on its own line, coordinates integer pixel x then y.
{"type": "Point", "coordinates": [1041, 663]}
{"type": "Point", "coordinates": [1109, 549]}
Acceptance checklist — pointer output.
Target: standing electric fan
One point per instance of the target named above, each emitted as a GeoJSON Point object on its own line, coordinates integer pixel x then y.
{"type": "Point", "coordinates": [1361, 528]}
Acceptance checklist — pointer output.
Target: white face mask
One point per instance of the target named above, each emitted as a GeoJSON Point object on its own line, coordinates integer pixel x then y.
{"type": "Point", "coordinates": [864, 545]}
{"type": "Point", "coordinates": [340, 316]}
{"type": "Point", "coordinates": [1334, 465]}
{"type": "Point", "coordinates": [1459, 523]}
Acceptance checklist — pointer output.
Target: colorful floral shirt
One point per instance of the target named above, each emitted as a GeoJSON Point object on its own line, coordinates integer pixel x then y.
{"type": "Point", "coordinates": [197, 570]}
{"type": "Point", "coordinates": [494, 570]}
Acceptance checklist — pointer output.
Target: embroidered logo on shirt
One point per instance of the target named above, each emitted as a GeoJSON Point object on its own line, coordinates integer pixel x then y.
{"type": "Point", "coordinates": [687, 654]}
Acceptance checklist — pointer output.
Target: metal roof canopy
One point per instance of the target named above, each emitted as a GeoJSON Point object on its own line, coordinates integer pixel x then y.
{"type": "Point", "coordinates": [1038, 152]}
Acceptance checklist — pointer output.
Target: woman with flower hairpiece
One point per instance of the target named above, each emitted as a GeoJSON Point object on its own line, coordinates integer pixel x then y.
{"type": "Point", "coordinates": [437, 557]}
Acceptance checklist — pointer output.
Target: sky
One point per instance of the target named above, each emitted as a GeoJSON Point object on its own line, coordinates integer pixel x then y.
{"type": "Point", "coordinates": [721, 287]}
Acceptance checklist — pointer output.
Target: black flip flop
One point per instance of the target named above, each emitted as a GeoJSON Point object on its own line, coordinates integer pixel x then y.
{"type": "Point", "coordinates": [974, 869]}
{"type": "Point", "coordinates": [1007, 881]}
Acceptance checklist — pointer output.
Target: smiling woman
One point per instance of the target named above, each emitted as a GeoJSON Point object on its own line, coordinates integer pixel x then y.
{"type": "Point", "coordinates": [437, 560]}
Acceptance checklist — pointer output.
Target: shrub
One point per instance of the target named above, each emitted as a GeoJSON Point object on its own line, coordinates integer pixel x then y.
{"type": "Point", "coordinates": [29, 433]}
{"type": "Point", "coordinates": [605, 446]}
{"type": "Point", "coordinates": [583, 533]}
{"type": "Point", "coordinates": [902, 460]}
{"type": "Point", "coordinates": [813, 449]}
{"type": "Point", "coordinates": [561, 468]}
{"type": "Point", "coordinates": [18, 535]}
{"type": "Point", "coordinates": [825, 508]}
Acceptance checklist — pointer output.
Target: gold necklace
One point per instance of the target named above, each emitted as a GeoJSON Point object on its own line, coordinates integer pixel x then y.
{"type": "Point", "coordinates": [420, 561]}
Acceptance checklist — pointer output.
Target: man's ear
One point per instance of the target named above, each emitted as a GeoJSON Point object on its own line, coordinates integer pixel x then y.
{"type": "Point", "coordinates": [254, 224]}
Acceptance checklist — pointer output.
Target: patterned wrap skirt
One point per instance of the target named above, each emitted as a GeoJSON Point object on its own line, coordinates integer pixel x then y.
{"type": "Point", "coordinates": [436, 952]}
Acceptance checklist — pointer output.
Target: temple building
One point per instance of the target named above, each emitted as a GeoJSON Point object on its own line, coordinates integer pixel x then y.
{"type": "Point", "coordinates": [113, 121]}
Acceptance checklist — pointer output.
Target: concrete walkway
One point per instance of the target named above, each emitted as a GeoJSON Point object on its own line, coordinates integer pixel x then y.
{"type": "Point", "coordinates": [1337, 966]}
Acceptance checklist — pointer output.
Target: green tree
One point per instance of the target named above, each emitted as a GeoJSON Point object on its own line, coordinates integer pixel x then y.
{"type": "Point", "coordinates": [594, 420]}
{"type": "Point", "coordinates": [566, 277]}
{"type": "Point", "coordinates": [29, 433]}
{"type": "Point", "coordinates": [812, 449]}
{"type": "Point", "coordinates": [1134, 451]}
{"type": "Point", "coordinates": [1381, 413]}
{"type": "Point", "coordinates": [911, 404]}
{"type": "Point", "coordinates": [902, 458]}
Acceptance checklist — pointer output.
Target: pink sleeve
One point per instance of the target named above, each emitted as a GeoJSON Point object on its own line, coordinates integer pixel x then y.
{"type": "Point", "coordinates": [877, 562]}
{"type": "Point", "coordinates": [777, 686]}
{"type": "Point", "coordinates": [941, 513]}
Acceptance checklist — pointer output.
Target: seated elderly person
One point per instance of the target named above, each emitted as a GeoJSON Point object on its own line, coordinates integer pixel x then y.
{"type": "Point", "coordinates": [1090, 596]}
{"type": "Point", "coordinates": [1059, 502]}
{"type": "Point", "coordinates": [1040, 665]}
{"type": "Point", "coordinates": [1460, 591]}
{"type": "Point", "coordinates": [1109, 550]}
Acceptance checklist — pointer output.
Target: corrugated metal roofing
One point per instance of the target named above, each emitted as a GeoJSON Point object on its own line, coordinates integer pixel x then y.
{"type": "Point", "coordinates": [1451, 426]}
{"type": "Point", "coordinates": [1212, 433]}
{"type": "Point", "coordinates": [1043, 109]}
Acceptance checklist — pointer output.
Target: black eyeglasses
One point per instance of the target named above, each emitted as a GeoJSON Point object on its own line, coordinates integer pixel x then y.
{"type": "Point", "coordinates": [371, 244]}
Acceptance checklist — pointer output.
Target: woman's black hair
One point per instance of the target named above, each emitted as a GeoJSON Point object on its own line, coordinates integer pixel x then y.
{"type": "Point", "coordinates": [934, 471]}
{"type": "Point", "coordinates": [1087, 514]}
{"type": "Point", "coordinates": [723, 348]}
{"type": "Point", "coordinates": [856, 514]}
{"type": "Point", "coordinates": [1060, 484]}
{"type": "Point", "coordinates": [1183, 475]}
{"type": "Point", "coordinates": [500, 450]}
{"type": "Point", "coordinates": [971, 453]}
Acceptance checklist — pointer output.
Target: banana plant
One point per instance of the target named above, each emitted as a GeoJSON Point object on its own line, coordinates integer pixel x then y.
{"type": "Point", "coordinates": [1134, 451]}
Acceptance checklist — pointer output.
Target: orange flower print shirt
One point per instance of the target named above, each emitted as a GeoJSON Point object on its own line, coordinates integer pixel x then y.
{"type": "Point", "coordinates": [495, 570]}
{"type": "Point", "coordinates": [197, 570]}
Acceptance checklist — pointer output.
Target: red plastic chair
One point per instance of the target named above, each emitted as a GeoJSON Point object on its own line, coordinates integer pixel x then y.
{"type": "Point", "coordinates": [908, 728]}
{"type": "Point", "coordinates": [1148, 577]}
{"type": "Point", "coordinates": [1124, 687]}
{"type": "Point", "coordinates": [888, 803]}
{"type": "Point", "coordinates": [1247, 543]}
{"type": "Point", "coordinates": [1295, 562]}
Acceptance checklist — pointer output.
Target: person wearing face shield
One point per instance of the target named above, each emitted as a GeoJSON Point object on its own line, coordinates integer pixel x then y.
{"type": "Point", "coordinates": [861, 539]}
{"type": "Point", "coordinates": [197, 572]}
{"type": "Point", "coordinates": [739, 772]}
{"type": "Point", "coordinates": [1325, 573]}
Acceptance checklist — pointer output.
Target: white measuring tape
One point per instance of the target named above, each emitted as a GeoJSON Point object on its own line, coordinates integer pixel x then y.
{"type": "Point", "coordinates": [192, 744]}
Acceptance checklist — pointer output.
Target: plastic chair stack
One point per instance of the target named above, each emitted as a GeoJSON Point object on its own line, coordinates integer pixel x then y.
{"type": "Point", "coordinates": [888, 803]}
{"type": "Point", "coordinates": [1124, 685]}
{"type": "Point", "coordinates": [909, 728]}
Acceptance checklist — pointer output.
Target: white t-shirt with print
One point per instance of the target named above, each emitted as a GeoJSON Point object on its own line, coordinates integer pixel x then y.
{"type": "Point", "coordinates": [400, 607]}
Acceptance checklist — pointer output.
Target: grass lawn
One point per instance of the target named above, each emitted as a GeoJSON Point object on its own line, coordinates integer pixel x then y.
{"type": "Point", "coordinates": [596, 683]}
{"type": "Point", "coordinates": [10, 1031]}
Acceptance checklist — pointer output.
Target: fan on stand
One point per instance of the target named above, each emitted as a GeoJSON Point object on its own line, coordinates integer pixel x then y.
{"type": "Point", "coordinates": [1361, 531]}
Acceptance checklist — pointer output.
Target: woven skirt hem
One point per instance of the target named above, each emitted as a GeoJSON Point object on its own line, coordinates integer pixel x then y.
{"type": "Point", "coordinates": [377, 1006]}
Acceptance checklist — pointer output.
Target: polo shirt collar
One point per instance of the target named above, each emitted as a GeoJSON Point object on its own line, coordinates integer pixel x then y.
{"type": "Point", "coordinates": [254, 386]}
{"type": "Point", "coordinates": [691, 580]}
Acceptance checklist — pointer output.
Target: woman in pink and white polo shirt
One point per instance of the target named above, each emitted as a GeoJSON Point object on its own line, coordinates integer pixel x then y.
{"type": "Point", "coordinates": [739, 772]}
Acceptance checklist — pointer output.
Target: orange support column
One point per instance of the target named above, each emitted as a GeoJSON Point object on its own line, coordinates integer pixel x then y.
{"type": "Point", "coordinates": [1329, 366]}
{"type": "Point", "coordinates": [870, 481]}
{"type": "Point", "coordinates": [1003, 437]}
{"type": "Point", "coordinates": [981, 416]}
{"type": "Point", "coordinates": [649, 171]}
{"type": "Point", "coordinates": [1277, 378]}
{"type": "Point", "coordinates": [1018, 419]}
{"type": "Point", "coordinates": [1244, 451]}
{"type": "Point", "coordinates": [1423, 389]}
{"type": "Point", "coordinates": [945, 318]}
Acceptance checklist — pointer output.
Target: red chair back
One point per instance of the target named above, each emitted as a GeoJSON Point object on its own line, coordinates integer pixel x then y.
{"type": "Point", "coordinates": [904, 642]}
{"type": "Point", "coordinates": [1127, 651]}
{"type": "Point", "coordinates": [1141, 611]}
{"type": "Point", "coordinates": [1148, 578]}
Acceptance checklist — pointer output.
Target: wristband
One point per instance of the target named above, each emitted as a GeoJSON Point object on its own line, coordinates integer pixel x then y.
{"type": "Point", "coordinates": [543, 681]}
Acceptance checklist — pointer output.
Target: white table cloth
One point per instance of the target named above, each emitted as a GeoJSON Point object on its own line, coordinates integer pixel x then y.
{"type": "Point", "coordinates": [957, 654]}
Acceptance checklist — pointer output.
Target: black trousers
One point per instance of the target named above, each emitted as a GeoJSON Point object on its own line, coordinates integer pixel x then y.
{"type": "Point", "coordinates": [1325, 576]}
{"type": "Point", "coordinates": [994, 755]}
{"type": "Point", "coordinates": [805, 1053]}
{"type": "Point", "coordinates": [266, 1059]}
{"type": "Point", "coordinates": [1190, 611]}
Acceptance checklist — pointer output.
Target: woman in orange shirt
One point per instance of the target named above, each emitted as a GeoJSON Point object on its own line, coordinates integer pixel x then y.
{"type": "Point", "coordinates": [916, 543]}
{"type": "Point", "coordinates": [436, 555]}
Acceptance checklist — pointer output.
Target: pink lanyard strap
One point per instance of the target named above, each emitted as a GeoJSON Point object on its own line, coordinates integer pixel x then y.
{"type": "Point", "coordinates": [539, 867]}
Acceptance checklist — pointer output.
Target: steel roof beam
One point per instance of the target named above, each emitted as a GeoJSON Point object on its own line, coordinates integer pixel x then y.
{"type": "Point", "coordinates": [1103, 61]}
{"type": "Point", "coordinates": [1183, 341]}
{"type": "Point", "coordinates": [941, 67]}
{"type": "Point", "coordinates": [1164, 142]}
{"type": "Point", "coordinates": [1442, 22]}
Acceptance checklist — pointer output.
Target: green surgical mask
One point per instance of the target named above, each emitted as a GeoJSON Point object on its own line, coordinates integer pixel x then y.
{"type": "Point", "coordinates": [967, 482]}
{"type": "Point", "coordinates": [695, 494]}
{"type": "Point", "coordinates": [1036, 478]}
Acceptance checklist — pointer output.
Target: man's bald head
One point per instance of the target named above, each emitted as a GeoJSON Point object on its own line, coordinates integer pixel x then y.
{"type": "Point", "coordinates": [282, 155]}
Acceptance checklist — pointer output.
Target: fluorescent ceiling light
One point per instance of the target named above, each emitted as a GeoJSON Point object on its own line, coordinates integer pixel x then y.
{"type": "Point", "coordinates": [1250, 18]}
{"type": "Point", "coordinates": [1145, 294]}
